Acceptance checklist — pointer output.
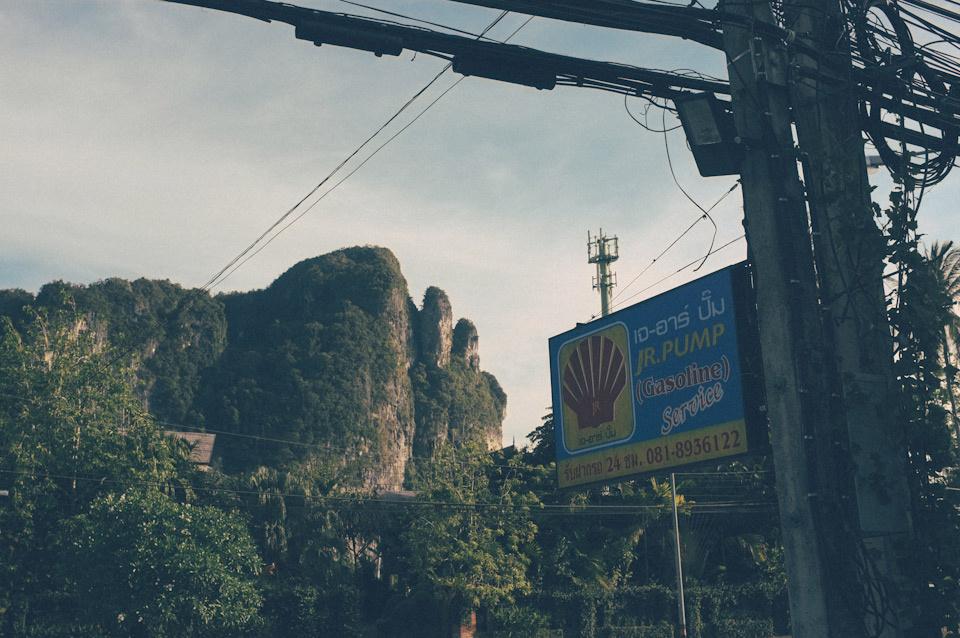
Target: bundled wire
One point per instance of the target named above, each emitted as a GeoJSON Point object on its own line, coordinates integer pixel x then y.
{"type": "Point", "coordinates": [907, 86]}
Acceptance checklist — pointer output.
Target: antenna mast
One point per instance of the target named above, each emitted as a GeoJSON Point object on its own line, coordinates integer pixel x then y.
{"type": "Point", "coordinates": [602, 251]}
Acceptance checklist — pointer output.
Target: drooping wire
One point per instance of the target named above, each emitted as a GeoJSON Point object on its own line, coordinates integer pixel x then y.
{"type": "Point", "coordinates": [345, 178]}
{"type": "Point", "coordinates": [651, 101]}
{"type": "Point", "coordinates": [372, 155]}
{"type": "Point", "coordinates": [679, 270]}
{"type": "Point", "coordinates": [245, 255]}
{"type": "Point", "coordinates": [447, 67]}
{"type": "Point", "coordinates": [677, 239]}
{"type": "Point", "coordinates": [706, 213]}
{"type": "Point", "coordinates": [380, 503]}
{"type": "Point", "coordinates": [213, 280]}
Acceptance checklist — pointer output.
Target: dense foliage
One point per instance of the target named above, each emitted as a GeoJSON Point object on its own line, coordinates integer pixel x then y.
{"type": "Point", "coordinates": [923, 314]}
{"type": "Point", "coordinates": [76, 446]}
{"type": "Point", "coordinates": [305, 382]}
{"type": "Point", "coordinates": [453, 404]}
{"type": "Point", "coordinates": [109, 530]}
{"type": "Point", "coordinates": [175, 333]}
{"type": "Point", "coordinates": [325, 360]}
{"type": "Point", "coordinates": [143, 564]}
{"type": "Point", "coordinates": [471, 550]}
{"type": "Point", "coordinates": [112, 532]}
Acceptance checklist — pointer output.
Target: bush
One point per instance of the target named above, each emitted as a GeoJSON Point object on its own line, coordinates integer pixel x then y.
{"type": "Point", "coordinates": [742, 628]}
{"type": "Point", "coordinates": [662, 629]}
{"type": "Point", "coordinates": [59, 631]}
{"type": "Point", "coordinates": [294, 609]}
{"type": "Point", "coordinates": [720, 611]}
{"type": "Point", "coordinates": [142, 564]}
{"type": "Point", "coordinates": [412, 616]}
{"type": "Point", "coordinates": [513, 621]}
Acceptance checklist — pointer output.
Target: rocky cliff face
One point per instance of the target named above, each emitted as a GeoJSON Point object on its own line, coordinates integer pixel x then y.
{"type": "Point", "coordinates": [454, 400]}
{"type": "Point", "coordinates": [371, 377]}
{"type": "Point", "coordinates": [436, 328]}
{"type": "Point", "coordinates": [169, 333]}
{"type": "Point", "coordinates": [466, 343]}
{"type": "Point", "coordinates": [332, 360]}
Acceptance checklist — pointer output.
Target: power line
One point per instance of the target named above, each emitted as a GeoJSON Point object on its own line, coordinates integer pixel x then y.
{"type": "Point", "coordinates": [244, 256]}
{"type": "Point", "coordinates": [681, 269]}
{"type": "Point", "coordinates": [573, 508]}
{"type": "Point", "coordinates": [326, 447]}
{"type": "Point", "coordinates": [526, 469]}
{"type": "Point", "coordinates": [221, 276]}
{"type": "Point", "coordinates": [674, 242]}
{"type": "Point", "coordinates": [420, 20]}
{"type": "Point", "coordinates": [320, 446]}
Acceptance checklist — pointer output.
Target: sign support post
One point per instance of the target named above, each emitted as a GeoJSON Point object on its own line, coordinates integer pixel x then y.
{"type": "Point", "coordinates": [676, 533]}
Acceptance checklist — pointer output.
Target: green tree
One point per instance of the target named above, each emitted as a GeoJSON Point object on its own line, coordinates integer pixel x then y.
{"type": "Point", "coordinates": [605, 530]}
{"type": "Point", "coordinates": [467, 541]}
{"type": "Point", "coordinates": [141, 564]}
{"type": "Point", "coordinates": [943, 260]}
{"type": "Point", "coordinates": [176, 334]}
{"type": "Point", "coordinates": [544, 440]}
{"type": "Point", "coordinates": [311, 359]}
{"type": "Point", "coordinates": [918, 312]}
{"type": "Point", "coordinates": [303, 522]}
{"type": "Point", "coordinates": [70, 431]}
{"type": "Point", "coordinates": [454, 404]}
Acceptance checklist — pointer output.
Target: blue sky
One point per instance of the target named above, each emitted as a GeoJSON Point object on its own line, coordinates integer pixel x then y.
{"type": "Point", "coordinates": [147, 139]}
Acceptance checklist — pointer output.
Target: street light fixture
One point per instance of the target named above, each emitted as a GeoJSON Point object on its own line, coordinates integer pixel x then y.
{"type": "Point", "coordinates": [711, 134]}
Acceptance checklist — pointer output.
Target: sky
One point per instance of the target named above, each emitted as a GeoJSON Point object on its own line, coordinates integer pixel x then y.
{"type": "Point", "coordinates": [140, 138]}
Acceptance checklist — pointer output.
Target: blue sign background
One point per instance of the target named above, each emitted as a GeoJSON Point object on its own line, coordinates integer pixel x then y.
{"type": "Point", "coordinates": [683, 369]}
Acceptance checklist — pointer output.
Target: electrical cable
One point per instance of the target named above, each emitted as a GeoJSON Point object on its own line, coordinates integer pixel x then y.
{"type": "Point", "coordinates": [705, 214]}
{"type": "Point", "coordinates": [626, 106]}
{"type": "Point", "coordinates": [367, 159]}
{"type": "Point", "coordinates": [127, 349]}
{"type": "Point", "coordinates": [345, 178]}
{"type": "Point", "coordinates": [326, 447]}
{"type": "Point", "coordinates": [321, 446]}
{"type": "Point", "coordinates": [540, 507]}
{"type": "Point", "coordinates": [666, 145]}
{"type": "Point", "coordinates": [420, 20]}
{"type": "Point", "coordinates": [679, 270]}
{"type": "Point", "coordinates": [913, 76]}
{"type": "Point", "coordinates": [674, 242]}
{"type": "Point", "coordinates": [335, 449]}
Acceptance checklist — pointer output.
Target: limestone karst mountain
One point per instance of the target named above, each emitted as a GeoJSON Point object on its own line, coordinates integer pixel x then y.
{"type": "Point", "coordinates": [332, 360]}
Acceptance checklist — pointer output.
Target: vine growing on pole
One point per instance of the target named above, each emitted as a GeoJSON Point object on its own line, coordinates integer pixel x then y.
{"type": "Point", "coordinates": [920, 307]}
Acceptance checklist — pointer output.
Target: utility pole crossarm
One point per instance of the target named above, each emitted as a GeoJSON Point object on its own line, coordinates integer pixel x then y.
{"type": "Point", "coordinates": [689, 23]}
{"type": "Point", "coordinates": [930, 118]}
{"type": "Point", "coordinates": [509, 63]}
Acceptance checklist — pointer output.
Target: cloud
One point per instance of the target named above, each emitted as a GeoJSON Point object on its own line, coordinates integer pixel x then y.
{"type": "Point", "coordinates": [158, 140]}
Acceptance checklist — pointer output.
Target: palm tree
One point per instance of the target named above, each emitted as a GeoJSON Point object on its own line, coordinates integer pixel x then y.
{"type": "Point", "coordinates": [944, 260]}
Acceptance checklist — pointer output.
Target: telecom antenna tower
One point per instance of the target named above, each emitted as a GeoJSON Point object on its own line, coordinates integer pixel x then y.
{"type": "Point", "coordinates": [602, 251]}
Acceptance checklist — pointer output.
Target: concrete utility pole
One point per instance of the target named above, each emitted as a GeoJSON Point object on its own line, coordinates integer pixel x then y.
{"type": "Point", "coordinates": [863, 520]}
{"type": "Point", "coordinates": [791, 334]}
{"type": "Point", "coordinates": [827, 360]}
{"type": "Point", "coordinates": [602, 251]}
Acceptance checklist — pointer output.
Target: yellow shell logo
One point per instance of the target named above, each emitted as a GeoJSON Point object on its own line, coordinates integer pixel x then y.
{"type": "Point", "coordinates": [593, 380]}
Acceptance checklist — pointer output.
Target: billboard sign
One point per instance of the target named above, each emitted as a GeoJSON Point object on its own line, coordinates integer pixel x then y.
{"type": "Point", "coordinates": [668, 382]}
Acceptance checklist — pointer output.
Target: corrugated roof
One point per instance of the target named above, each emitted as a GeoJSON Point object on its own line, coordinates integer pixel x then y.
{"type": "Point", "coordinates": [201, 445]}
